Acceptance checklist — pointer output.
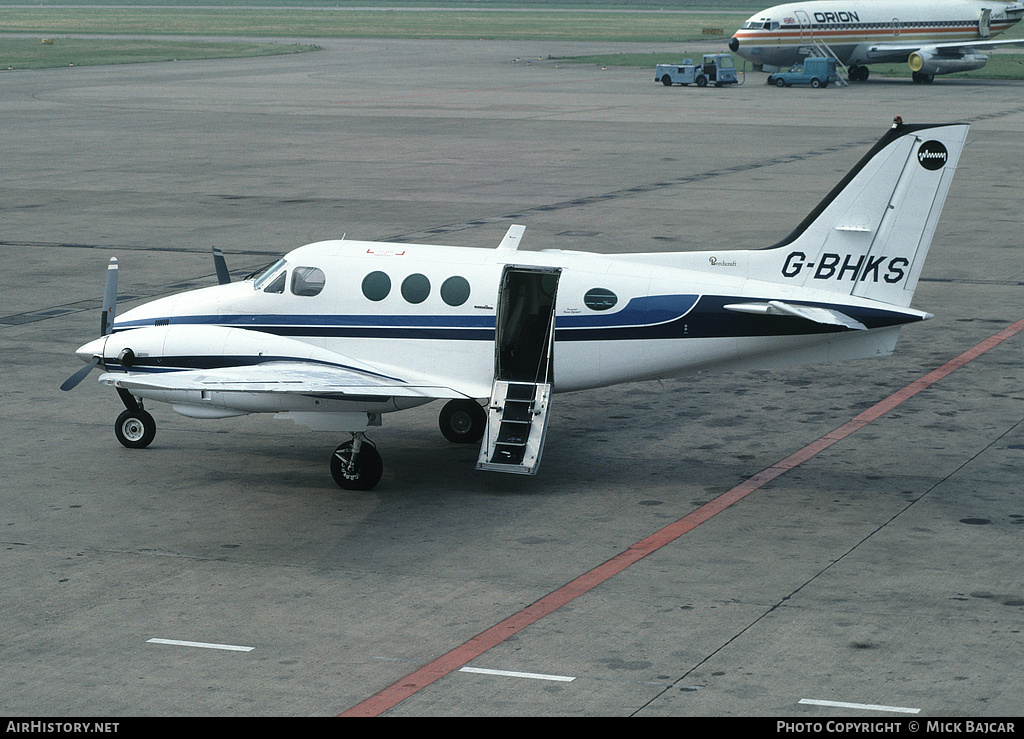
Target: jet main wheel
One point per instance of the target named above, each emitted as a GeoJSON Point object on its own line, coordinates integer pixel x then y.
{"type": "Point", "coordinates": [364, 474]}
{"type": "Point", "coordinates": [135, 429]}
{"type": "Point", "coordinates": [462, 421]}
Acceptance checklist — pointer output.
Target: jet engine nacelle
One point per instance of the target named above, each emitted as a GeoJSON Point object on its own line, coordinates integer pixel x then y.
{"type": "Point", "coordinates": [929, 61]}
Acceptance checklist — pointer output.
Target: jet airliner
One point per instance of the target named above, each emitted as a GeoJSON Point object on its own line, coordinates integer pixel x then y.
{"type": "Point", "coordinates": [338, 334]}
{"type": "Point", "coordinates": [931, 36]}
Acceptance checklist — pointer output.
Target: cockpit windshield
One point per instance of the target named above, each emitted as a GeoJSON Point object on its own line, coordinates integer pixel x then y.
{"type": "Point", "coordinates": [270, 272]}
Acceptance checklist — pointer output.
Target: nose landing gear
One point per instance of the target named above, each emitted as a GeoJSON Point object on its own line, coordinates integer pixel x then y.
{"type": "Point", "coordinates": [356, 464]}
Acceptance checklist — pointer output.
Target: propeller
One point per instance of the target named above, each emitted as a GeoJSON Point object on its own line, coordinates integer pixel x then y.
{"type": "Point", "coordinates": [80, 375]}
{"type": "Point", "coordinates": [106, 326]}
{"type": "Point", "coordinates": [223, 276]}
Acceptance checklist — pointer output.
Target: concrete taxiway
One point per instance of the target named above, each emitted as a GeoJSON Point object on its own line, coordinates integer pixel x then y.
{"type": "Point", "coordinates": [883, 571]}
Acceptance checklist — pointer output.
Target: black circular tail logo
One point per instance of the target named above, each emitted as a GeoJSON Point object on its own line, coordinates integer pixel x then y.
{"type": "Point", "coordinates": [932, 155]}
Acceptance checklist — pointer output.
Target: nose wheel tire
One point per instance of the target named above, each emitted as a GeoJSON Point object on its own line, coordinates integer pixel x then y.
{"type": "Point", "coordinates": [135, 429]}
{"type": "Point", "coordinates": [362, 472]}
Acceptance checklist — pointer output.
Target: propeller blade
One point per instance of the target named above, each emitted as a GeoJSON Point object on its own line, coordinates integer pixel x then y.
{"type": "Point", "coordinates": [223, 276]}
{"type": "Point", "coordinates": [109, 299]}
{"type": "Point", "coordinates": [80, 375]}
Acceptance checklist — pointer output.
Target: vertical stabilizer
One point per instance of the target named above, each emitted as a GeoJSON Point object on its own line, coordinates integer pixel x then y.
{"type": "Point", "coordinates": [869, 237]}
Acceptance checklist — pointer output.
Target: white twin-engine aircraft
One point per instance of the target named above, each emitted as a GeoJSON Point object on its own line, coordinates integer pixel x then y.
{"type": "Point", "coordinates": [931, 36]}
{"type": "Point", "coordinates": [338, 333]}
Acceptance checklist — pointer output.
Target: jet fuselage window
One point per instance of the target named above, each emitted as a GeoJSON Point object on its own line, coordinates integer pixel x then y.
{"type": "Point", "coordinates": [307, 281]}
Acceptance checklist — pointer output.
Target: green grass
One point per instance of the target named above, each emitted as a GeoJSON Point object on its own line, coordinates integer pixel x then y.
{"type": "Point", "coordinates": [747, 7]}
{"type": "Point", "coordinates": [358, 23]}
{"type": "Point", "coordinates": [575, 21]}
{"type": "Point", "coordinates": [23, 53]}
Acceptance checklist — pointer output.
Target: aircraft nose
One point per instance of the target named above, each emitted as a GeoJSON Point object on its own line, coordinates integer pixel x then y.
{"type": "Point", "coordinates": [734, 44]}
{"type": "Point", "coordinates": [93, 349]}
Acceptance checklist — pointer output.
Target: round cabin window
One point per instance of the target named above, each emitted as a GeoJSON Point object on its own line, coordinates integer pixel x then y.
{"type": "Point", "coordinates": [415, 288]}
{"type": "Point", "coordinates": [455, 290]}
{"type": "Point", "coordinates": [376, 286]}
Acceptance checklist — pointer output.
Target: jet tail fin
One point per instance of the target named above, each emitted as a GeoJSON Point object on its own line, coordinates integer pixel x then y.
{"type": "Point", "coordinates": [870, 235]}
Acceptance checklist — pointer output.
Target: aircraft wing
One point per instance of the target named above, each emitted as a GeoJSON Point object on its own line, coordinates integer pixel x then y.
{"type": "Point", "coordinates": [952, 47]}
{"type": "Point", "coordinates": [292, 378]}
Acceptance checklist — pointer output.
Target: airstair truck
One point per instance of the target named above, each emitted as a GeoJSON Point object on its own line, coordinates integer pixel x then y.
{"type": "Point", "coordinates": [718, 69]}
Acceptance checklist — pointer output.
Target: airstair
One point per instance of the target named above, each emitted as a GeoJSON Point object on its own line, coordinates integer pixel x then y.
{"type": "Point", "coordinates": [517, 413]}
{"type": "Point", "coordinates": [517, 417]}
{"type": "Point", "coordinates": [820, 48]}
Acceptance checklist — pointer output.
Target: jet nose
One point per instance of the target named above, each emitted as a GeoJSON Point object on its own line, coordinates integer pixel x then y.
{"type": "Point", "coordinates": [93, 349]}
{"type": "Point", "coordinates": [734, 44]}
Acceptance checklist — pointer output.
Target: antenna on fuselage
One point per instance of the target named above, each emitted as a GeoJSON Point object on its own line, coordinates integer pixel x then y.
{"type": "Point", "coordinates": [512, 237]}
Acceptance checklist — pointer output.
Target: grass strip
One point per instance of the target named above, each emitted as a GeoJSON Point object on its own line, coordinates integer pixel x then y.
{"type": "Point", "coordinates": [361, 23]}
{"type": "Point", "coordinates": [36, 53]}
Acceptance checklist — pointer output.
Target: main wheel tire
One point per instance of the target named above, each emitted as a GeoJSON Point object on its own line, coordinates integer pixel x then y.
{"type": "Point", "coordinates": [462, 421]}
{"type": "Point", "coordinates": [135, 429]}
{"type": "Point", "coordinates": [369, 467]}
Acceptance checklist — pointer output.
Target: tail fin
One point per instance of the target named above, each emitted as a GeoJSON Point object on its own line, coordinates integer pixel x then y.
{"type": "Point", "coordinates": [869, 237]}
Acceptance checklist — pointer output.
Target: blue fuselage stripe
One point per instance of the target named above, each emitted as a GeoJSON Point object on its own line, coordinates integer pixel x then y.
{"type": "Point", "coordinates": [661, 317]}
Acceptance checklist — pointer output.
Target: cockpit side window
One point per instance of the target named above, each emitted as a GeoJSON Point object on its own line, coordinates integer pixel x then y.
{"type": "Point", "coordinates": [307, 281]}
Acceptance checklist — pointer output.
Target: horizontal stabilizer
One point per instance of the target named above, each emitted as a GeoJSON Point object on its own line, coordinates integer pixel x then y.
{"type": "Point", "coordinates": [825, 316]}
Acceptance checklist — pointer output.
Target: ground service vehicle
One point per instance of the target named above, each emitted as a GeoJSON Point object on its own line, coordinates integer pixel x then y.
{"type": "Point", "coordinates": [816, 71]}
{"type": "Point", "coordinates": [718, 69]}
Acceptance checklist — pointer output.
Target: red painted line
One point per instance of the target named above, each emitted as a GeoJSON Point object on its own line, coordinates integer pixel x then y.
{"type": "Point", "coordinates": [447, 663]}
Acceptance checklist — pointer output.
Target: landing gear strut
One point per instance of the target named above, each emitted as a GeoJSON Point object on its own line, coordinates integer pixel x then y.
{"type": "Point", "coordinates": [356, 464]}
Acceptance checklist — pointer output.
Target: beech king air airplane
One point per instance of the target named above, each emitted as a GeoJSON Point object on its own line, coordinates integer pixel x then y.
{"type": "Point", "coordinates": [338, 333]}
{"type": "Point", "coordinates": [932, 36]}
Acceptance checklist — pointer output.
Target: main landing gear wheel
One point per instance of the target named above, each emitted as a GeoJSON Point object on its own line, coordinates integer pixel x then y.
{"type": "Point", "coordinates": [462, 421]}
{"type": "Point", "coordinates": [356, 464]}
{"type": "Point", "coordinates": [135, 429]}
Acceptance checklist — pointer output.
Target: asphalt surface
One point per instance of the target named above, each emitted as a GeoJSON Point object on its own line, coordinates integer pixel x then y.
{"type": "Point", "coordinates": [883, 571]}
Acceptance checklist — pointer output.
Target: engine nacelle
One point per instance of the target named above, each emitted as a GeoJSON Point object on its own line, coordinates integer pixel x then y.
{"type": "Point", "coordinates": [929, 61]}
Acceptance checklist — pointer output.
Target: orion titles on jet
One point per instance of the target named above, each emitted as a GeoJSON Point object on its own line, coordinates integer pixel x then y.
{"type": "Point", "coordinates": [841, 16]}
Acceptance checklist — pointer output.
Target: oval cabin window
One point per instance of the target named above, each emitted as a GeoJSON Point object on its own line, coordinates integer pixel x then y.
{"type": "Point", "coordinates": [600, 298]}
